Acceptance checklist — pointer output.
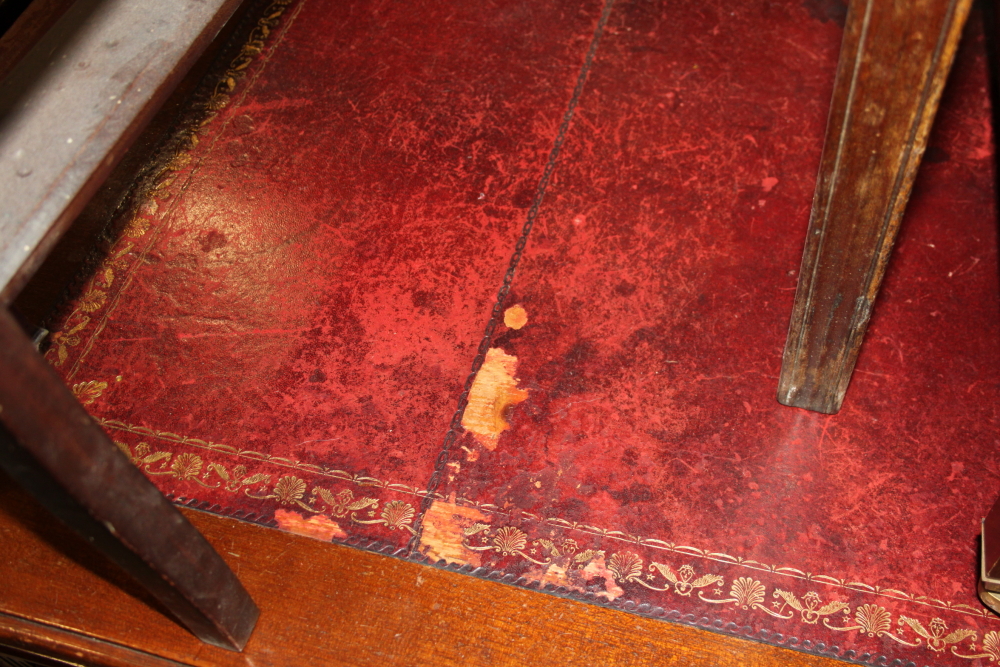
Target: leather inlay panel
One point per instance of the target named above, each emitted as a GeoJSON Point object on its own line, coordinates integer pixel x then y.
{"type": "Point", "coordinates": [285, 328]}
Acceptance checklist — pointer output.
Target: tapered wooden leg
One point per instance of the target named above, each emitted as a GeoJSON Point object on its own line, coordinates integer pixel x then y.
{"type": "Point", "coordinates": [989, 560]}
{"type": "Point", "coordinates": [893, 64]}
{"type": "Point", "coordinates": [52, 447]}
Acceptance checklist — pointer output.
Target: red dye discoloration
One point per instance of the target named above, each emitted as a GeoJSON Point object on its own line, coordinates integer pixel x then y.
{"type": "Point", "coordinates": [293, 317]}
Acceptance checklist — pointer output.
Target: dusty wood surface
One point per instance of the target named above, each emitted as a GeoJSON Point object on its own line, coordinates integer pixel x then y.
{"type": "Point", "coordinates": [80, 246]}
{"type": "Point", "coordinates": [67, 461]}
{"type": "Point", "coordinates": [74, 102]}
{"type": "Point", "coordinates": [893, 64]}
{"type": "Point", "coordinates": [324, 604]}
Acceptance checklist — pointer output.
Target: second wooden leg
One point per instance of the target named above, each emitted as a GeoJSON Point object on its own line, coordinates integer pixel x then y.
{"type": "Point", "coordinates": [893, 64]}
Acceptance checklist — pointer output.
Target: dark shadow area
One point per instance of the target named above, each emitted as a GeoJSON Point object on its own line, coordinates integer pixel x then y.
{"type": "Point", "coordinates": [991, 23]}
{"type": "Point", "coordinates": [10, 11]}
{"type": "Point", "coordinates": [14, 657]}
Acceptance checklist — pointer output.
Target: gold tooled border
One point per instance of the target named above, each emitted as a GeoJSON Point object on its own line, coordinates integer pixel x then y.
{"type": "Point", "coordinates": [623, 567]}
{"type": "Point", "coordinates": [554, 522]}
{"type": "Point", "coordinates": [259, 457]}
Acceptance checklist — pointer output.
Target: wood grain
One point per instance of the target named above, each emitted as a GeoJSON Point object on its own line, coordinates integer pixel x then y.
{"type": "Point", "coordinates": [325, 604]}
{"type": "Point", "coordinates": [990, 550]}
{"type": "Point", "coordinates": [894, 61]}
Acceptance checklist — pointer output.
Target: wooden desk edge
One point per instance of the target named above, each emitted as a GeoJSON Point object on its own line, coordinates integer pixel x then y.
{"type": "Point", "coordinates": [47, 641]}
{"type": "Point", "coordinates": [327, 604]}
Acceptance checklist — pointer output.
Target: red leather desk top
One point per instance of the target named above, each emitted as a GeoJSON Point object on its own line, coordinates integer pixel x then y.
{"type": "Point", "coordinates": [290, 327]}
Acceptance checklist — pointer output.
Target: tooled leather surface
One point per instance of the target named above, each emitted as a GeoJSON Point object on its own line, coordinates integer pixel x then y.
{"type": "Point", "coordinates": [305, 297]}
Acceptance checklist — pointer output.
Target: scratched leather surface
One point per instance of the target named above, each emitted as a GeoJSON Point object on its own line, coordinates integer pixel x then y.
{"type": "Point", "coordinates": [294, 313]}
{"type": "Point", "coordinates": [304, 292]}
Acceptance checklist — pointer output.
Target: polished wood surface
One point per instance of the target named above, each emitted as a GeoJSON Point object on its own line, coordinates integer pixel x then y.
{"type": "Point", "coordinates": [894, 61]}
{"type": "Point", "coordinates": [989, 566]}
{"type": "Point", "coordinates": [324, 604]}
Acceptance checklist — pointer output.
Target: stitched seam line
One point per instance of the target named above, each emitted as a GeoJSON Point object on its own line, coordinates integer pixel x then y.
{"type": "Point", "coordinates": [508, 279]}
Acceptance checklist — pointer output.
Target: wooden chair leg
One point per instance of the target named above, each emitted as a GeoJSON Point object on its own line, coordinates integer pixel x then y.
{"type": "Point", "coordinates": [894, 61]}
{"type": "Point", "coordinates": [989, 562]}
{"type": "Point", "coordinates": [50, 445]}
